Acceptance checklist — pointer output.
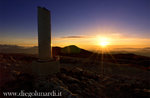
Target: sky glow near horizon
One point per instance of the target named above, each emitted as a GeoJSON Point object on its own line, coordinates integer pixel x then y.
{"type": "Point", "coordinates": [78, 22]}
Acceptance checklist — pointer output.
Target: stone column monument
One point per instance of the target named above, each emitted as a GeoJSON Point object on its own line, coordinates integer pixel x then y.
{"type": "Point", "coordinates": [44, 34]}
{"type": "Point", "coordinates": [46, 64]}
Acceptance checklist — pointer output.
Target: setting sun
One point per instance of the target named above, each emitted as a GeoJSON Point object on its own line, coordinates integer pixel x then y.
{"type": "Point", "coordinates": [103, 42]}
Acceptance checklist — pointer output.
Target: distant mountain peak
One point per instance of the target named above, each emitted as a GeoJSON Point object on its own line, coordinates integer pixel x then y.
{"type": "Point", "coordinates": [71, 46]}
{"type": "Point", "coordinates": [71, 49]}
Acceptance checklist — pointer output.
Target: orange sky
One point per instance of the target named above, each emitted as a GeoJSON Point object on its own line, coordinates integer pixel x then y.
{"type": "Point", "coordinates": [115, 40]}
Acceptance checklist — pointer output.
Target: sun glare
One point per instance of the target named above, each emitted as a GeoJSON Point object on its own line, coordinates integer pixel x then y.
{"type": "Point", "coordinates": [103, 42]}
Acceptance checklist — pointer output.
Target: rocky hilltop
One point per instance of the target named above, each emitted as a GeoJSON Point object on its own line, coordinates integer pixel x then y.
{"type": "Point", "coordinates": [78, 77]}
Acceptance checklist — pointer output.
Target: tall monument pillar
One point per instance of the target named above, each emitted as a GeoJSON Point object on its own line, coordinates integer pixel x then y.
{"type": "Point", "coordinates": [44, 34]}
{"type": "Point", "coordinates": [46, 64]}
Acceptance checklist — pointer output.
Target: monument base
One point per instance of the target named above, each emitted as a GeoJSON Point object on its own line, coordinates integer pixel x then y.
{"type": "Point", "coordinates": [45, 67]}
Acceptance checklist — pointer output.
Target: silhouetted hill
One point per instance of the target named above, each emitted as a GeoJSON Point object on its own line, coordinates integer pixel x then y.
{"type": "Point", "coordinates": [71, 50]}
{"type": "Point", "coordinates": [18, 49]}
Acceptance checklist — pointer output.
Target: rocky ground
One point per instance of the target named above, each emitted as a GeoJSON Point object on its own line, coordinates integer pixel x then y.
{"type": "Point", "coordinates": [77, 78]}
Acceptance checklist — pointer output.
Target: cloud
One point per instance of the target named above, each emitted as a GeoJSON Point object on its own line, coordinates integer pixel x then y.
{"type": "Point", "coordinates": [128, 48]}
{"type": "Point", "coordinates": [74, 37]}
{"type": "Point", "coordinates": [147, 48]}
